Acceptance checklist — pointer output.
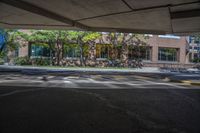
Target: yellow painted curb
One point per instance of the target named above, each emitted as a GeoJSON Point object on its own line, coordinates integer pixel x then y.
{"type": "Point", "coordinates": [143, 77]}
{"type": "Point", "coordinates": [186, 81]}
{"type": "Point", "coordinates": [195, 83]}
{"type": "Point", "coordinates": [190, 82]}
{"type": "Point", "coordinates": [119, 77]}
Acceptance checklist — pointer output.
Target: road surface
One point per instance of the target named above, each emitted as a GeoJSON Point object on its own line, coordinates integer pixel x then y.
{"type": "Point", "coordinates": [96, 104]}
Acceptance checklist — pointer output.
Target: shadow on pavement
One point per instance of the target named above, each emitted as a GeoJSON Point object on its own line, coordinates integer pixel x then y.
{"type": "Point", "coordinates": [59, 110]}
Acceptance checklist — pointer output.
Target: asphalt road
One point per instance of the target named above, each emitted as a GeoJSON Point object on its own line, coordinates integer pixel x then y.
{"type": "Point", "coordinates": [96, 104]}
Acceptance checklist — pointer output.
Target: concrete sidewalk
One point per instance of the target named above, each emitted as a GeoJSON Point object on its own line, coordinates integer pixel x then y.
{"type": "Point", "coordinates": [152, 72]}
{"type": "Point", "coordinates": [79, 69]}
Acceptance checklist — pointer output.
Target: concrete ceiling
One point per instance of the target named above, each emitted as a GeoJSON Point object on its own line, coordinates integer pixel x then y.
{"type": "Point", "coordinates": [139, 16]}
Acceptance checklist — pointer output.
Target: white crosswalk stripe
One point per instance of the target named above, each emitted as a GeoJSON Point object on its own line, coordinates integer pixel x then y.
{"type": "Point", "coordinates": [88, 82]}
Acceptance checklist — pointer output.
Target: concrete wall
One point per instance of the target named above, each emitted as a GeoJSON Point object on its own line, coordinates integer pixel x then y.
{"type": "Point", "coordinates": [155, 42]}
{"type": "Point", "coordinates": [24, 49]}
{"type": "Point", "coordinates": [181, 44]}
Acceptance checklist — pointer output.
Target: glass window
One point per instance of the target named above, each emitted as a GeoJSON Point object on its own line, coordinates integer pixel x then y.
{"type": "Point", "coordinates": [190, 57]}
{"type": "Point", "coordinates": [167, 54]}
{"type": "Point", "coordinates": [103, 51]}
{"type": "Point", "coordinates": [197, 41]}
{"type": "Point", "coordinates": [169, 36]}
{"type": "Point", "coordinates": [40, 50]}
{"type": "Point", "coordinates": [17, 52]}
{"type": "Point", "coordinates": [149, 35]}
{"type": "Point", "coordinates": [142, 52]}
{"type": "Point", "coordinates": [118, 51]}
{"type": "Point", "coordinates": [72, 51]}
{"type": "Point", "coordinates": [195, 55]}
{"type": "Point", "coordinates": [2, 40]}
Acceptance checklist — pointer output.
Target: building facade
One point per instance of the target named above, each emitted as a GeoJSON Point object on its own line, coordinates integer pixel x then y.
{"type": "Point", "coordinates": [168, 50]}
{"type": "Point", "coordinates": [194, 49]}
{"type": "Point", "coordinates": [161, 50]}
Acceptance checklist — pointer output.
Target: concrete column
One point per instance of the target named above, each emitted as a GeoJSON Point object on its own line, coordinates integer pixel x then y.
{"type": "Point", "coordinates": [192, 55]}
{"type": "Point", "coordinates": [154, 54]}
{"type": "Point", "coordinates": [182, 54]}
{"type": "Point", "coordinates": [10, 57]}
{"type": "Point", "coordinates": [187, 58]}
{"type": "Point", "coordinates": [23, 50]}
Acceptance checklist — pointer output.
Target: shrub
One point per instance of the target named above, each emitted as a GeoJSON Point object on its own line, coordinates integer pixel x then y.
{"type": "Point", "coordinates": [197, 60]}
{"type": "Point", "coordinates": [1, 61]}
{"type": "Point", "coordinates": [40, 61]}
{"type": "Point", "coordinates": [22, 61]}
{"type": "Point", "coordinates": [34, 61]}
{"type": "Point", "coordinates": [198, 66]}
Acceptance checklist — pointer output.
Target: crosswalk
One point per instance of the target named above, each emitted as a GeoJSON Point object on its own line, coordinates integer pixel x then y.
{"type": "Point", "coordinates": [85, 81]}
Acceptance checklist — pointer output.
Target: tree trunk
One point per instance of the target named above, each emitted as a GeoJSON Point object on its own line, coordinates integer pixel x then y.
{"type": "Point", "coordinates": [59, 53]}
{"type": "Point", "coordinates": [52, 62]}
{"type": "Point", "coordinates": [80, 43]}
{"type": "Point", "coordinates": [92, 53]}
{"type": "Point", "coordinates": [124, 55]}
{"type": "Point", "coordinates": [113, 53]}
{"type": "Point", "coordinates": [10, 57]}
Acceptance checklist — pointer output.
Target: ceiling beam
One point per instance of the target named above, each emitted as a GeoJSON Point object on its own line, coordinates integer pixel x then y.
{"type": "Point", "coordinates": [42, 12]}
{"type": "Point", "coordinates": [139, 9]}
{"type": "Point", "coordinates": [34, 25]}
{"type": "Point", "coordinates": [185, 14]}
{"type": "Point", "coordinates": [127, 4]}
{"type": "Point", "coordinates": [124, 30]}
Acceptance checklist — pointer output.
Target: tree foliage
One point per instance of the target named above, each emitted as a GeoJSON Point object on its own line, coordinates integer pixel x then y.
{"type": "Point", "coordinates": [60, 40]}
{"type": "Point", "coordinates": [83, 38]}
{"type": "Point", "coordinates": [197, 38]}
{"type": "Point", "coordinates": [12, 38]}
{"type": "Point", "coordinates": [125, 41]}
{"type": "Point", "coordinates": [56, 39]}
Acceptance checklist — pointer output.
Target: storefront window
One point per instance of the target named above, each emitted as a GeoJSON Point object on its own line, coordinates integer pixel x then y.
{"type": "Point", "coordinates": [167, 54]}
{"type": "Point", "coordinates": [2, 40]}
{"type": "Point", "coordinates": [40, 50]}
{"type": "Point", "coordinates": [72, 51]}
{"type": "Point", "coordinates": [103, 51]}
{"type": "Point", "coordinates": [142, 52]}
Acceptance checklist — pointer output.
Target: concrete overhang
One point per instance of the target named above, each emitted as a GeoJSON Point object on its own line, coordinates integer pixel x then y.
{"type": "Point", "coordinates": [138, 16]}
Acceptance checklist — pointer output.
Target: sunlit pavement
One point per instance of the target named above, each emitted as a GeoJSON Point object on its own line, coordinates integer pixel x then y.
{"type": "Point", "coordinates": [97, 103]}
{"type": "Point", "coordinates": [88, 81]}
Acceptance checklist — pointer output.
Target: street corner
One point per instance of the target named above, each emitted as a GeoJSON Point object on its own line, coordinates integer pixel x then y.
{"type": "Point", "coordinates": [195, 83]}
{"type": "Point", "coordinates": [185, 82]}
{"type": "Point", "coordinates": [119, 77]}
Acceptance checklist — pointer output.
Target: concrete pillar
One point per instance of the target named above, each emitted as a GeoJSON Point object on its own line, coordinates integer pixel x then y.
{"type": "Point", "coordinates": [192, 55]}
{"type": "Point", "coordinates": [154, 54]}
{"type": "Point", "coordinates": [10, 57]}
{"type": "Point", "coordinates": [187, 58]}
{"type": "Point", "coordinates": [182, 54]}
{"type": "Point", "coordinates": [24, 49]}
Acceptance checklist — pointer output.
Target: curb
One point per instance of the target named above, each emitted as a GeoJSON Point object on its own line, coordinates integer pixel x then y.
{"type": "Point", "coordinates": [186, 82]}
{"type": "Point", "coordinates": [195, 83]}
{"type": "Point", "coordinates": [175, 81]}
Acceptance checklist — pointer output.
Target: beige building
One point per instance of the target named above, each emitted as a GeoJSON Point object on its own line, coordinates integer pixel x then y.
{"type": "Point", "coordinates": [163, 50]}
{"type": "Point", "coordinates": [168, 49]}
{"type": "Point", "coordinates": [194, 49]}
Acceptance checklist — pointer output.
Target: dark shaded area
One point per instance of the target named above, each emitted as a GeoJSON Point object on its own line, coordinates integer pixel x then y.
{"type": "Point", "coordinates": [59, 110]}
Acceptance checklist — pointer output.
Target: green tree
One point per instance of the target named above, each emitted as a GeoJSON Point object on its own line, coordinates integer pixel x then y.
{"type": "Point", "coordinates": [55, 40]}
{"type": "Point", "coordinates": [197, 37]}
{"type": "Point", "coordinates": [83, 38]}
{"type": "Point", "coordinates": [125, 40]}
{"type": "Point", "coordinates": [12, 42]}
